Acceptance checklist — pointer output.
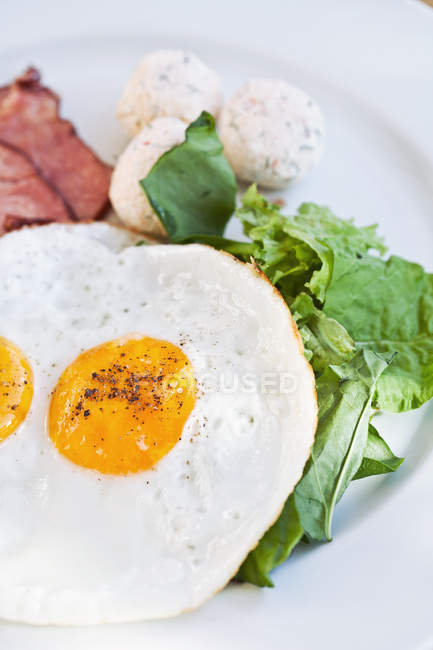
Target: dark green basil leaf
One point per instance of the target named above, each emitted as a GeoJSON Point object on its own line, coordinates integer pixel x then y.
{"type": "Point", "coordinates": [192, 187]}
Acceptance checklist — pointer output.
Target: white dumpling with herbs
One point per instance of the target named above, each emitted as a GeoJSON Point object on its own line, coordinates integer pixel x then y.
{"type": "Point", "coordinates": [169, 83]}
{"type": "Point", "coordinates": [272, 133]}
{"type": "Point", "coordinates": [127, 197]}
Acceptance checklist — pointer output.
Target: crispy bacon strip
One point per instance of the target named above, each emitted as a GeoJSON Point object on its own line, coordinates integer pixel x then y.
{"type": "Point", "coordinates": [25, 198]}
{"type": "Point", "coordinates": [30, 122]}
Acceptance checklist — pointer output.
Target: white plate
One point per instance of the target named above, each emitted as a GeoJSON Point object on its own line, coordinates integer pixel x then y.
{"type": "Point", "coordinates": [373, 586]}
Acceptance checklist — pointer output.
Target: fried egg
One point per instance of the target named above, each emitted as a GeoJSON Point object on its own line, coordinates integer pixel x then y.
{"type": "Point", "coordinates": [164, 411]}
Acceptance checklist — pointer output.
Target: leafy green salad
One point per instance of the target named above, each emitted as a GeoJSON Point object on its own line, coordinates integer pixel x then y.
{"type": "Point", "coordinates": [366, 321]}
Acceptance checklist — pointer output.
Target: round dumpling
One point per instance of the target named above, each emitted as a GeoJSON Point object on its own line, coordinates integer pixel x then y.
{"type": "Point", "coordinates": [172, 414]}
{"type": "Point", "coordinates": [126, 195]}
{"type": "Point", "coordinates": [272, 133]}
{"type": "Point", "coordinates": [171, 83]}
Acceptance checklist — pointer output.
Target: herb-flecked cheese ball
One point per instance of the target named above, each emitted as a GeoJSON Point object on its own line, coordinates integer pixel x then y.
{"type": "Point", "coordinates": [169, 83]}
{"type": "Point", "coordinates": [128, 198]}
{"type": "Point", "coordinates": [272, 132]}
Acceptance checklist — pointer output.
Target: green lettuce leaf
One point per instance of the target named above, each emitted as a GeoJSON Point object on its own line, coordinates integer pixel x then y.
{"type": "Point", "coordinates": [378, 457]}
{"type": "Point", "coordinates": [346, 447]}
{"type": "Point", "coordinates": [192, 187]}
{"type": "Point", "coordinates": [326, 342]}
{"type": "Point", "coordinates": [345, 394]}
{"type": "Point", "coordinates": [288, 257]}
{"type": "Point", "coordinates": [387, 306]}
{"type": "Point", "coordinates": [297, 252]}
{"type": "Point", "coordinates": [274, 547]}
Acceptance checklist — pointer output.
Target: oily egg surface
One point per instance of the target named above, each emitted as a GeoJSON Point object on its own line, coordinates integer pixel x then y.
{"type": "Point", "coordinates": [159, 444]}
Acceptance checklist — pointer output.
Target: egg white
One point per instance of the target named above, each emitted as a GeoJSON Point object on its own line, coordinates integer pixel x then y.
{"type": "Point", "coordinates": [79, 547]}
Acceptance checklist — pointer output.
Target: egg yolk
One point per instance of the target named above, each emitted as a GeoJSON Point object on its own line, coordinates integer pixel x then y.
{"type": "Point", "coordinates": [16, 387]}
{"type": "Point", "coordinates": [120, 407]}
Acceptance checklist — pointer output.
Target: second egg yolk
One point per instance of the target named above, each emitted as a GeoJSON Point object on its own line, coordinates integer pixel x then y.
{"type": "Point", "coordinates": [120, 407]}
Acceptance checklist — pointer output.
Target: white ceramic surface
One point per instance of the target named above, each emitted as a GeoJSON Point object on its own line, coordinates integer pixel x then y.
{"type": "Point", "coordinates": [373, 585]}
